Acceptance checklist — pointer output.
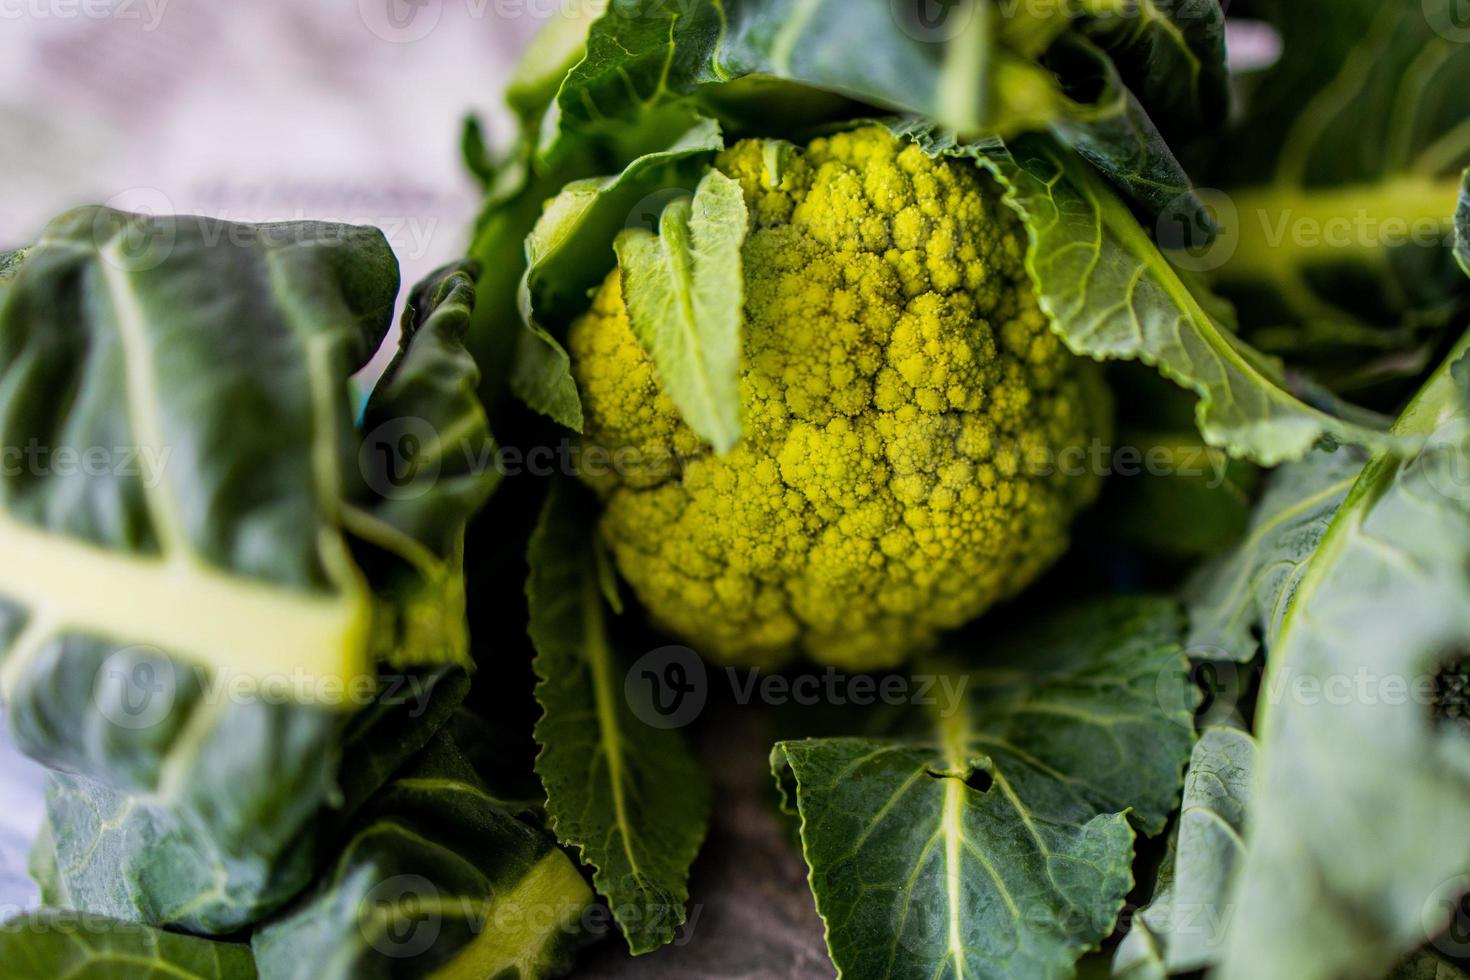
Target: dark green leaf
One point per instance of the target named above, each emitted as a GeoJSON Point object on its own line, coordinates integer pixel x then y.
{"type": "Point", "coordinates": [629, 796]}
{"type": "Point", "coordinates": [218, 542]}
{"type": "Point", "coordinates": [645, 52]}
{"type": "Point", "coordinates": [1183, 928]}
{"type": "Point", "coordinates": [1425, 965]}
{"type": "Point", "coordinates": [128, 857]}
{"type": "Point", "coordinates": [1172, 55]}
{"type": "Point", "coordinates": [50, 944]}
{"type": "Point", "coordinates": [1114, 133]}
{"type": "Point", "coordinates": [555, 51]}
{"type": "Point", "coordinates": [195, 633]}
{"type": "Point", "coordinates": [970, 65]}
{"type": "Point", "coordinates": [440, 878]}
{"type": "Point", "coordinates": [996, 842]}
{"type": "Point", "coordinates": [426, 459]}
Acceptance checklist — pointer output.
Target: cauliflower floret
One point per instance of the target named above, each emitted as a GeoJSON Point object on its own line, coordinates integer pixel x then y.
{"type": "Point", "coordinates": [904, 406]}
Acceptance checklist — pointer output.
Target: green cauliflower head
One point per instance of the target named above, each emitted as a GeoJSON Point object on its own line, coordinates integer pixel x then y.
{"type": "Point", "coordinates": [907, 416]}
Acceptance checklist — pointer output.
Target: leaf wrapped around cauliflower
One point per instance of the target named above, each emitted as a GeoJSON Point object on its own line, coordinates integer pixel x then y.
{"type": "Point", "coordinates": [914, 435]}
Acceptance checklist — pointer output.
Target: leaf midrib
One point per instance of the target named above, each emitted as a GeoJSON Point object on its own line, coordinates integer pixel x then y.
{"type": "Point", "coordinates": [599, 655]}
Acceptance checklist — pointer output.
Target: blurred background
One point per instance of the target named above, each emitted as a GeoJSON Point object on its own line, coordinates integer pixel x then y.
{"type": "Point", "coordinates": [345, 110]}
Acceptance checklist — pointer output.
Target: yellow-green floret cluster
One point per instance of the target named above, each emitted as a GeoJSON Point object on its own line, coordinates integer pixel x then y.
{"type": "Point", "coordinates": [904, 403]}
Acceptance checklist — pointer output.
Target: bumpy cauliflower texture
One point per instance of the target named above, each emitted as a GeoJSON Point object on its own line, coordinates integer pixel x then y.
{"type": "Point", "coordinates": [905, 406]}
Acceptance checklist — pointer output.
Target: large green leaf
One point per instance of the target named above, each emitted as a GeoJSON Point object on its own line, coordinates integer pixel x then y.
{"type": "Point", "coordinates": [629, 796]}
{"type": "Point", "coordinates": [120, 855]}
{"type": "Point", "coordinates": [1113, 132]}
{"type": "Point", "coordinates": [1426, 965]}
{"type": "Point", "coordinates": [1360, 833]}
{"type": "Point", "coordinates": [571, 249]}
{"type": "Point", "coordinates": [974, 66]}
{"type": "Point", "coordinates": [196, 637]}
{"type": "Point", "coordinates": [1183, 928]}
{"type": "Point", "coordinates": [1172, 53]}
{"type": "Point", "coordinates": [1340, 180]}
{"type": "Point", "coordinates": [556, 50]}
{"type": "Point", "coordinates": [1251, 587]}
{"type": "Point", "coordinates": [426, 442]}
{"type": "Point", "coordinates": [995, 841]}
{"type": "Point", "coordinates": [220, 543]}
{"type": "Point", "coordinates": [684, 289]}
{"type": "Point", "coordinates": [440, 878]}
{"type": "Point", "coordinates": [1111, 294]}
{"type": "Point", "coordinates": [50, 943]}
{"type": "Point", "coordinates": [643, 52]}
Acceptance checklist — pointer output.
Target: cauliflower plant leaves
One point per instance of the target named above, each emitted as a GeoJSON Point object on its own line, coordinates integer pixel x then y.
{"type": "Point", "coordinates": [441, 877]}
{"type": "Point", "coordinates": [1358, 841]}
{"type": "Point", "coordinates": [996, 839]}
{"type": "Point", "coordinates": [630, 797]}
{"type": "Point", "coordinates": [100, 849]}
{"type": "Point", "coordinates": [1250, 587]}
{"type": "Point", "coordinates": [251, 532]}
{"type": "Point", "coordinates": [53, 943]}
{"type": "Point", "coordinates": [570, 249]}
{"type": "Point", "coordinates": [1092, 72]}
{"type": "Point", "coordinates": [685, 290]}
{"type": "Point", "coordinates": [1183, 927]}
{"type": "Point", "coordinates": [1426, 965]}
